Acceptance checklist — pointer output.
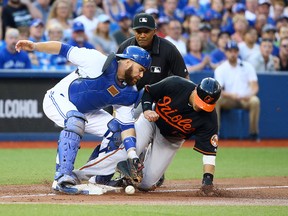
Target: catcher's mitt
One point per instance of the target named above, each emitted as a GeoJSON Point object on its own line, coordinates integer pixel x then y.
{"type": "Point", "coordinates": [131, 171]}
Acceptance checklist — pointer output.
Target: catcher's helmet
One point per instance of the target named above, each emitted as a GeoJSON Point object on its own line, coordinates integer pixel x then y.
{"type": "Point", "coordinates": [138, 55]}
{"type": "Point", "coordinates": [207, 94]}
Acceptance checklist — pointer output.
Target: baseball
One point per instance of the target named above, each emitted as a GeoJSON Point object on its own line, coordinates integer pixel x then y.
{"type": "Point", "coordinates": [129, 190]}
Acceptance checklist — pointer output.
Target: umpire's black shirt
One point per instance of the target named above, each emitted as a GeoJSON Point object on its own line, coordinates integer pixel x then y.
{"type": "Point", "coordinates": [166, 60]}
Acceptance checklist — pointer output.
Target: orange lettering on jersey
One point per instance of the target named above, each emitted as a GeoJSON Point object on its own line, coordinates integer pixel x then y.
{"type": "Point", "coordinates": [113, 90]}
{"type": "Point", "coordinates": [177, 121]}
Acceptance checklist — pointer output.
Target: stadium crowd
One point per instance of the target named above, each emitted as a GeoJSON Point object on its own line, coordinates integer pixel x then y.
{"type": "Point", "coordinates": [200, 29]}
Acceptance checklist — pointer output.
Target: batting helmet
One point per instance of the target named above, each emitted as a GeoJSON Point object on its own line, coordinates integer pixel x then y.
{"type": "Point", "coordinates": [207, 94]}
{"type": "Point", "coordinates": [138, 55]}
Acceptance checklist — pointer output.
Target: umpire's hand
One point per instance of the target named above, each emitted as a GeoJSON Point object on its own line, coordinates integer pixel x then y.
{"type": "Point", "coordinates": [151, 116]}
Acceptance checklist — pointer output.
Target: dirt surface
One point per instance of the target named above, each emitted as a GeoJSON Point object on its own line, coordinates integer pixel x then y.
{"type": "Point", "coordinates": [246, 191]}
{"type": "Point", "coordinates": [250, 191]}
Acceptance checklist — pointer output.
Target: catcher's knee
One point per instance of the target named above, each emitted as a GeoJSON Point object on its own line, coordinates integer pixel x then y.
{"type": "Point", "coordinates": [75, 122]}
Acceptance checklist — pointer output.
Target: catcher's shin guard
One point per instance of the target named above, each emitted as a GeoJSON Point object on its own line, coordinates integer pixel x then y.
{"type": "Point", "coordinates": [68, 146]}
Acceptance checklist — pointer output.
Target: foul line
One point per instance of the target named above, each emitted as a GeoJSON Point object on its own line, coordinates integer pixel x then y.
{"type": "Point", "coordinates": [239, 188]}
{"type": "Point", "coordinates": [157, 191]}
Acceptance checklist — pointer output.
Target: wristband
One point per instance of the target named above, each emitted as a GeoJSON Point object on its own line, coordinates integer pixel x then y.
{"type": "Point", "coordinates": [129, 142]}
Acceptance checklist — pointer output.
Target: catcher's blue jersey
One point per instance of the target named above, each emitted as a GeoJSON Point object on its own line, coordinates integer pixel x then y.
{"type": "Point", "coordinates": [89, 94]}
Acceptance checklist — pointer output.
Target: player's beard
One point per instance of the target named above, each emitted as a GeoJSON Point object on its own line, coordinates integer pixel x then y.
{"type": "Point", "coordinates": [129, 79]}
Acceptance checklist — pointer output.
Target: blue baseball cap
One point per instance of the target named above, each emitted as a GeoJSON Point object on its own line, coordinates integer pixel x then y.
{"type": "Point", "coordinates": [238, 7]}
{"type": "Point", "coordinates": [78, 26]}
{"type": "Point", "coordinates": [123, 16]}
{"type": "Point", "coordinates": [212, 14]}
{"type": "Point", "coordinates": [36, 22]}
{"type": "Point", "coordinates": [189, 11]}
{"type": "Point", "coordinates": [231, 45]}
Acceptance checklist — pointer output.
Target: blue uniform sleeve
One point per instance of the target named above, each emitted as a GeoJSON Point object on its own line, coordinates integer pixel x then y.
{"type": "Point", "coordinates": [65, 49]}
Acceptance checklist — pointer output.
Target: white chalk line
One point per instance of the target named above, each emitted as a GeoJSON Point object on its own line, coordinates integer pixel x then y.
{"type": "Point", "coordinates": [157, 191]}
{"type": "Point", "coordinates": [239, 188]}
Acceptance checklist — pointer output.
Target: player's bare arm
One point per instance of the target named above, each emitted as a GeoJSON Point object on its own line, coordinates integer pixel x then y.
{"type": "Point", "coordinates": [52, 47]}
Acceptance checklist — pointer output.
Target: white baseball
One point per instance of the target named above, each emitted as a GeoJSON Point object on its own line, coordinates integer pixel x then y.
{"type": "Point", "coordinates": [129, 190]}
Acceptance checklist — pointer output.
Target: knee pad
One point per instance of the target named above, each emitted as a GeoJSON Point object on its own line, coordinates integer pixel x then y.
{"type": "Point", "coordinates": [75, 122]}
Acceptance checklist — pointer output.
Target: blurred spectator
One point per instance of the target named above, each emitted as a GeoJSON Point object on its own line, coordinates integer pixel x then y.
{"type": "Point", "coordinates": [264, 8]}
{"type": "Point", "coordinates": [37, 31]}
{"type": "Point", "coordinates": [162, 27]}
{"type": "Point", "coordinates": [193, 23]}
{"type": "Point", "coordinates": [79, 37]}
{"type": "Point", "coordinates": [282, 21]}
{"type": "Point", "coordinates": [205, 33]}
{"type": "Point", "coordinates": [214, 14]}
{"type": "Point", "coordinates": [171, 11]}
{"type": "Point", "coordinates": [38, 59]}
{"type": "Point", "coordinates": [153, 12]}
{"type": "Point", "coordinates": [131, 6]}
{"type": "Point", "coordinates": [195, 59]}
{"type": "Point", "coordinates": [214, 35]}
{"type": "Point", "coordinates": [264, 61]}
{"type": "Point", "coordinates": [237, 9]}
{"type": "Point", "coordinates": [283, 54]}
{"type": "Point", "coordinates": [277, 9]}
{"type": "Point", "coordinates": [283, 32]}
{"type": "Point", "coordinates": [55, 33]}
{"type": "Point", "coordinates": [268, 32]}
{"type": "Point", "coordinates": [9, 57]}
{"type": "Point", "coordinates": [113, 8]}
{"type": "Point", "coordinates": [217, 56]}
{"type": "Point", "coordinates": [198, 8]}
{"type": "Point", "coordinates": [174, 36]}
{"type": "Point", "coordinates": [240, 87]}
{"type": "Point", "coordinates": [251, 8]}
{"type": "Point", "coordinates": [88, 17]}
{"type": "Point", "coordinates": [61, 12]}
{"type": "Point", "coordinates": [240, 26]}
{"type": "Point", "coordinates": [146, 5]}
{"type": "Point", "coordinates": [102, 40]}
{"type": "Point", "coordinates": [125, 31]}
{"type": "Point", "coordinates": [249, 45]}
{"type": "Point", "coordinates": [228, 4]}
{"type": "Point", "coordinates": [44, 7]}
{"type": "Point", "coordinates": [18, 15]}
{"type": "Point", "coordinates": [259, 23]}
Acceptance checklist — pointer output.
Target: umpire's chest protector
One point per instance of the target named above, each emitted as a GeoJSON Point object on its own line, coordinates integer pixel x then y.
{"type": "Point", "coordinates": [89, 94]}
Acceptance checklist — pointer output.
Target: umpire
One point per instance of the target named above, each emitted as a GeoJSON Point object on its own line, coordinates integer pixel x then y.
{"type": "Point", "coordinates": [166, 59]}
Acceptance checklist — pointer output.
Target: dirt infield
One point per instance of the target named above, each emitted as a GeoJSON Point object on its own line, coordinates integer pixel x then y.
{"type": "Point", "coordinates": [246, 191]}
{"type": "Point", "coordinates": [250, 191]}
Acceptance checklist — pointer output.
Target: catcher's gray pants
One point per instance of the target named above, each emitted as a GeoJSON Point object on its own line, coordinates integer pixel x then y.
{"type": "Point", "coordinates": [158, 156]}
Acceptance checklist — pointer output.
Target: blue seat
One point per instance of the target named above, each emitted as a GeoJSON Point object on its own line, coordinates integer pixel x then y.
{"type": "Point", "coordinates": [234, 124]}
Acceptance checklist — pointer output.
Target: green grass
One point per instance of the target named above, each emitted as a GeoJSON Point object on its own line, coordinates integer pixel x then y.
{"type": "Point", "coordinates": [26, 166]}
{"type": "Point", "coordinates": [71, 210]}
{"type": "Point", "coordinates": [33, 166]}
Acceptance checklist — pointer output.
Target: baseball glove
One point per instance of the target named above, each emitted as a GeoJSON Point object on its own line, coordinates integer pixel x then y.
{"type": "Point", "coordinates": [131, 171]}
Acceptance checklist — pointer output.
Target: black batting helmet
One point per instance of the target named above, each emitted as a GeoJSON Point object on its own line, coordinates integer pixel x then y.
{"type": "Point", "coordinates": [207, 94]}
